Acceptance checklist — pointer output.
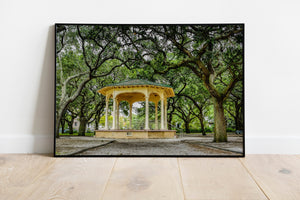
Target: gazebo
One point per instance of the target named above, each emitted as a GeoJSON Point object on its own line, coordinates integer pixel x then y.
{"type": "Point", "coordinates": [133, 91]}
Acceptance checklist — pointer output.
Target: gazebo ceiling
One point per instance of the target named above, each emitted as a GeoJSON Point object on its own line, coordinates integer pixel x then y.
{"type": "Point", "coordinates": [136, 96]}
{"type": "Point", "coordinates": [137, 84]}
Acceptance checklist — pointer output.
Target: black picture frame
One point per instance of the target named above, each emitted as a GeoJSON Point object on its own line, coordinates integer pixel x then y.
{"type": "Point", "coordinates": [240, 30]}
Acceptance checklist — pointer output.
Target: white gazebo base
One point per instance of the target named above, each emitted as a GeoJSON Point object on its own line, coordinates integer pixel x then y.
{"type": "Point", "coordinates": [135, 134]}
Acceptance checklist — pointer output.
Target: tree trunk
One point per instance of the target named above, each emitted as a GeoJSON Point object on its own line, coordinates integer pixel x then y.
{"type": "Point", "coordinates": [187, 127]}
{"type": "Point", "coordinates": [59, 116]}
{"type": "Point", "coordinates": [236, 121]}
{"type": "Point", "coordinates": [238, 118]}
{"type": "Point", "coordinates": [82, 127]}
{"type": "Point", "coordinates": [71, 129]}
{"type": "Point", "coordinates": [62, 123]}
{"type": "Point", "coordinates": [202, 125]}
{"type": "Point", "coordinates": [169, 121]}
{"type": "Point", "coordinates": [58, 120]}
{"type": "Point", "coordinates": [97, 123]}
{"type": "Point", "coordinates": [239, 122]}
{"type": "Point", "coordinates": [220, 134]}
{"type": "Point", "coordinates": [71, 126]}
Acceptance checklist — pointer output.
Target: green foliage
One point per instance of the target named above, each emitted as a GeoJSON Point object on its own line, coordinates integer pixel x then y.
{"type": "Point", "coordinates": [207, 130]}
{"type": "Point", "coordinates": [230, 130]}
{"type": "Point", "coordinates": [90, 134]}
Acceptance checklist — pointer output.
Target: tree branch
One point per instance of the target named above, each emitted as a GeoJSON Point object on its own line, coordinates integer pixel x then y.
{"type": "Point", "coordinates": [83, 48]}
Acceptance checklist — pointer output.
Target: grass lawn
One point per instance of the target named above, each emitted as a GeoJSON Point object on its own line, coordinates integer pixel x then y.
{"type": "Point", "coordinates": [75, 134]}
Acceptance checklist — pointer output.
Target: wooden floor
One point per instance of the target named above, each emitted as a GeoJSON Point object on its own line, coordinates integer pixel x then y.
{"type": "Point", "coordinates": [254, 177]}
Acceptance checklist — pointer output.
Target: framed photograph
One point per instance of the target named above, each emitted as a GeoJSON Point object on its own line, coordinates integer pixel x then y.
{"type": "Point", "coordinates": [149, 90]}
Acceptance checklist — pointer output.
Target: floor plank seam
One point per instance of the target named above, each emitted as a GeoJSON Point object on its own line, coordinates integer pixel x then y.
{"type": "Point", "coordinates": [179, 169]}
{"type": "Point", "coordinates": [111, 171]}
{"type": "Point", "coordinates": [252, 176]}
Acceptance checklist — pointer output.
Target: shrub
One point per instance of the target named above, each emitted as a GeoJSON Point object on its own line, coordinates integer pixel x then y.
{"type": "Point", "coordinates": [207, 130]}
{"type": "Point", "coordinates": [89, 134]}
{"type": "Point", "coordinates": [230, 129]}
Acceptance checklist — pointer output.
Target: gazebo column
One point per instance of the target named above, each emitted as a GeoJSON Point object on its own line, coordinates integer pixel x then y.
{"type": "Point", "coordinates": [106, 113]}
{"type": "Point", "coordinates": [156, 119]}
{"type": "Point", "coordinates": [114, 112]}
{"type": "Point", "coordinates": [130, 115]}
{"type": "Point", "coordinates": [118, 115]}
{"type": "Point", "coordinates": [166, 114]}
{"type": "Point", "coordinates": [162, 127]}
{"type": "Point", "coordinates": [147, 113]}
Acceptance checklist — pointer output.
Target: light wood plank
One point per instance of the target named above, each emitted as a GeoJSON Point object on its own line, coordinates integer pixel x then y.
{"type": "Point", "coordinates": [17, 171]}
{"type": "Point", "coordinates": [144, 178]}
{"type": "Point", "coordinates": [71, 178]}
{"type": "Point", "coordinates": [277, 175]}
{"type": "Point", "coordinates": [217, 178]}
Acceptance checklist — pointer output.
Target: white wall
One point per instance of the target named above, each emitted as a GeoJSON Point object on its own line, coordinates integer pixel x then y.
{"type": "Point", "coordinates": [27, 63]}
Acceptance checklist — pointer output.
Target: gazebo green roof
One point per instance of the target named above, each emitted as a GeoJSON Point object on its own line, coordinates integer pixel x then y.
{"type": "Point", "coordinates": [138, 82]}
